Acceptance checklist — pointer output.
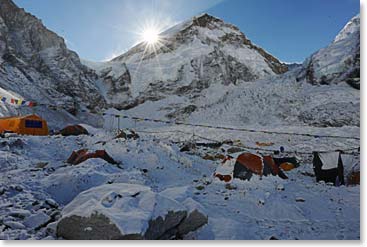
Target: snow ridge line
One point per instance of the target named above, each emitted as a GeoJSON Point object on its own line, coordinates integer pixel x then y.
{"type": "Point", "coordinates": [344, 151]}
{"type": "Point", "coordinates": [227, 128]}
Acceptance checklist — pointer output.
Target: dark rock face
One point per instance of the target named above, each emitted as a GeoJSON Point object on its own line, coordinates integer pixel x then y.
{"type": "Point", "coordinates": [35, 63]}
{"type": "Point", "coordinates": [76, 228]}
{"type": "Point", "coordinates": [161, 227]}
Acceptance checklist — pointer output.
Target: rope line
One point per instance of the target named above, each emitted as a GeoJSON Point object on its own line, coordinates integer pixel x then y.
{"type": "Point", "coordinates": [54, 107]}
{"type": "Point", "coordinates": [229, 128]}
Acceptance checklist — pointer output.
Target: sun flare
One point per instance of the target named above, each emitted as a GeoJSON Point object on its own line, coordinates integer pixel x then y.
{"type": "Point", "coordinates": [150, 36]}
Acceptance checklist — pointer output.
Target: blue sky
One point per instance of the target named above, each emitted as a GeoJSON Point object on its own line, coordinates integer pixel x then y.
{"type": "Point", "coordinates": [101, 29]}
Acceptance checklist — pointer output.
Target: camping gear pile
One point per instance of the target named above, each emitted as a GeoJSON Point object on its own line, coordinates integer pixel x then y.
{"type": "Point", "coordinates": [82, 155]}
{"type": "Point", "coordinates": [246, 165]}
{"type": "Point", "coordinates": [127, 134]}
{"type": "Point", "coordinates": [286, 163]}
{"type": "Point", "coordinates": [24, 125]}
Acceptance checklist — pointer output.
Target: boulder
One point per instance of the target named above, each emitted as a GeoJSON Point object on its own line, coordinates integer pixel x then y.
{"type": "Point", "coordinates": [130, 212]}
{"type": "Point", "coordinates": [13, 225]}
{"type": "Point", "coordinates": [95, 227]}
{"type": "Point", "coordinates": [37, 221]}
{"type": "Point", "coordinates": [196, 216]}
{"type": "Point", "coordinates": [195, 219]}
{"type": "Point", "coordinates": [118, 211]}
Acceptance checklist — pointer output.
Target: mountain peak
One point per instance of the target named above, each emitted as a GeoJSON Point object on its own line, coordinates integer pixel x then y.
{"type": "Point", "coordinates": [351, 28]}
{"type": "Point", "coordinates": [338, 62]}
{"type": "Point", "coordinates": [204, 19]}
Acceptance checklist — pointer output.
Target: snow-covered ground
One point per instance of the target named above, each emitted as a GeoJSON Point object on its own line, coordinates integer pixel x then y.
{"type": "Point", "coordinates": [36, 183]}
{"type": "Point", "coordinates": [208, 73]}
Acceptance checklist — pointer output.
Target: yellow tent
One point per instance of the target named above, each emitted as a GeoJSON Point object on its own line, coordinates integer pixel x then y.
{"type": "Point", "coordinates": [24, 125]}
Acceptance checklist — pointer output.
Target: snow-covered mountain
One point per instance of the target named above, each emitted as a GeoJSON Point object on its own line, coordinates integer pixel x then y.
{"type": "Point", "coordinates": [338, 62]}
{"type": "Point", "coordinates": [297, 98]}
{"type": "Point", "coordinates": [190, 57]}
{"type": "Point", "coordinates": [35, 64]}
{"type": "Point", "coordinates": [285, 99]}
{"type": "Point", "coordinates": [201, 69]}
{"type": "Point", "coordinates": [205, 72]}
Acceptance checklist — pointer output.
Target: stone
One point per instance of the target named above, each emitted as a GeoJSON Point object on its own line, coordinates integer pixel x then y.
{"type": "Point", "coordinates": [161, 225]}
{"type": "Point", "coordinates": [52, 203]}
{"type": "Point", "coordinates": [130, 212]}
{"type": "Point", "coordinates": [119, 211]}
{"type": "Point", "coordinates": [37, 221]}
{"type": "Point", "coordinates": [20, 213]}
{"type": "Point", "coordinates": [195, 219]}
{"type": "Point", "coordinates": [14, 225]}
{"type": "Point", "coordinates": [41, 165]}
{"type": "Point", "coordinates": [95, 227]}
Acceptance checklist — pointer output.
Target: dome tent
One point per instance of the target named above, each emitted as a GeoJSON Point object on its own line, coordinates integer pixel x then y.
{"type": "Point", "coordinates": [246, 165]}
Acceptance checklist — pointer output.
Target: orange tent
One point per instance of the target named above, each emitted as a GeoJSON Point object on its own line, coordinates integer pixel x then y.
{"type": "Point", "coordinates": [82, 155]}
{"type": "Point", "coordinates": [248, 164]}
{"type": "Point", "coordinates": [24, 125]}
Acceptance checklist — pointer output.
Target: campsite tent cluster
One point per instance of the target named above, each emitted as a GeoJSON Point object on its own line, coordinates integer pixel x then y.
{"type": "Point", "coordinates": [246, 165]}
{"type": "Point", "coordinates": [331, 167]}
{"type": "Point", "coordinates": [328, 167]}
{"type": "Point", "coordinates": [35, 125]}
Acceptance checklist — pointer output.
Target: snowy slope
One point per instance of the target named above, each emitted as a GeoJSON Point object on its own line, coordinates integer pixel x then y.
{"type": "Point", "coordinates": [280, 101]}
{"type": "Point", "coordinates": [36, 184]}
{"type": "Point", "coordinates": [114, 81]}
{"type": "Point", "coordinates": [285, 99]}
{"type": "Point", "coordinates": [190, 57]}
{"type": "Point", "coordinates": [340, 61]}
{"type": "Point", "coordinates": [192, 50]}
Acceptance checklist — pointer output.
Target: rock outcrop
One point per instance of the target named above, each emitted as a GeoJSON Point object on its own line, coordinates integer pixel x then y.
{"type": "Point", "coordinates": [36, 64]}
{"type": "Point", "coordinates": [128, 211]}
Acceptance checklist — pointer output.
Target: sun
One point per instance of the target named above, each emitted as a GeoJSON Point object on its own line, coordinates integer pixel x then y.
{"type": "Point", "coordinates": [150, 36]}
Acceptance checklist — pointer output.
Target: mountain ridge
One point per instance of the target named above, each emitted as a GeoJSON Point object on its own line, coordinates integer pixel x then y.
{"type": "Point", "coordinates": [199, 63]}
{"type": "Point", "coordinates": [190, 57]}
{"type": "Point", "coordinates": [36, 63]}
